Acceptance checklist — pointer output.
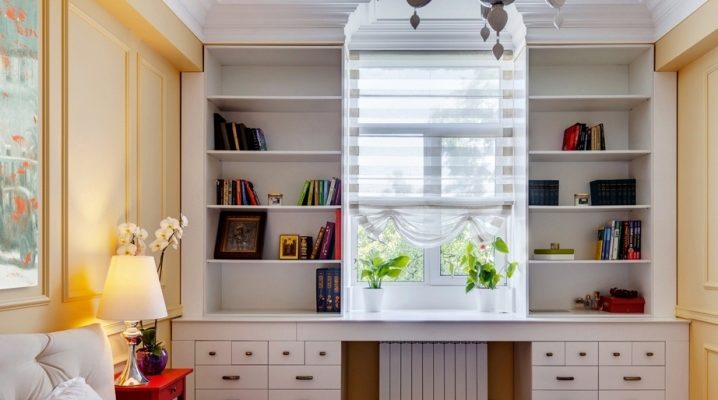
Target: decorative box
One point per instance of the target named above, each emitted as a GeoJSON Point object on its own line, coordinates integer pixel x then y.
{"type": "Point", "coordinates": [623, 305]}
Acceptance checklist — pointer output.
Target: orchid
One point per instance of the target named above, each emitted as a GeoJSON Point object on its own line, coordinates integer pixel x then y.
{"type": "Point", "coordinates": [131, 239]}
{"type": "Point", "coordinates": [169, 233]}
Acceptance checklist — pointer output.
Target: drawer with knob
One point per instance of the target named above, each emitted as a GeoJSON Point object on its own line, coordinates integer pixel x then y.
{"type": "Point", "coordinates": [548, 353]}
{"type": "Point", "coordinates": [250, 353]}
{"type": "Point", "coordinates": [614, 353]}
{"type": "Point", "coordinates": [565, 378]}
{"type": "Point", "coordinates": [631, 395]}
{"type": "Point", "coordinates": [305, 395]}
{"type": "Point", "coordinates": [213, 353]}
{"type": "Point", "coordinates": [649, 353]}
{"type": "Point", "coordinates": [581, 353]}
{"type": "Point", "coordinates": [286, 353]}
{"type": "Point", "coordinates": [564, 395]}
{"type": "Point", "coordinates": [305, 377]}
{"type": "Point", "coordinates": [323, 353]}
{"type": "Point", "coordinates": [230, 377]}
{"type": "Point", "coordinates": [226, 394]}
{"type": "Point", "coordinates": [631, 378]}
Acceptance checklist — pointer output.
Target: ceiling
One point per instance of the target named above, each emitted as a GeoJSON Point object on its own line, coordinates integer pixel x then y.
{"type": "Point", "coordinates": [373, 23]}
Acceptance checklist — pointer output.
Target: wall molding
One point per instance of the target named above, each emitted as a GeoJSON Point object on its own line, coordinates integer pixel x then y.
{"type": "Point", "coordinates": [707, 316]}
{"type": "Point", "coordinates": [709, 283]}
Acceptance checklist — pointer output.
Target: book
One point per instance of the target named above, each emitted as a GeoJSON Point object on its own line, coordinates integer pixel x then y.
{"type": "Point", "coordinates": [315, 193]}
{"type": "Point", "coordinates": [335, 276]}
{"type": "Point", "coordinates": [305, 247]}
{"type": "Point", "coordinates": [616, 240]}
{"type": "Point", "coordinates": [599, 244]}
{"type": "Point", "coordinates": [301, 200]}
{"type": "Point", "coordinates": [254, 136]}
{"type": "Point", "coordinates": [219, 135]}
{"type": "Point", "coordinates": [317, 244]}
{"type": "Point", "coordinates": [235, 137]}
{"type": "Point", "coordinates": [338, 234]}
{"type": "Point", "coordinates": [329, 291]}
{"type": "Point", "coordinates": [243, 144]}
{"type": "Point", "coordinates": [321, 291]}
{"type": "Point", "coordinates": [327, 242]}
{"type": "Point", "coordinates": [262, 140]}
{"type": "Point", "coordinates": [606, 242]}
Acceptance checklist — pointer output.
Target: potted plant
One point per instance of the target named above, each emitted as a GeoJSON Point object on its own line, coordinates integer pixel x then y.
{"type": "Point", "coordinates": [152, 356]}
{"type": "Point", "coordinates": [479, 265]}
{"type": "Point", "coordinates": [374, 270]}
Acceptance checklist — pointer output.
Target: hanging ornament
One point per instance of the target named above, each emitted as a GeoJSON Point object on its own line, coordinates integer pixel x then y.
{"type": "Point", "coordinates": [556, 3]}
{"type": "Point", "coordinates": [558, 20]}
{"type": "Point", "coordinates": [498, 49]}
{"type": "Point", "coordinates": [485, 32]}
{"type": "Point", "coordinates": [415, 20]}
{"type": "Point", "coordinates": [418, 3]}
{"type": "Point", "coordinates": [498, 17]}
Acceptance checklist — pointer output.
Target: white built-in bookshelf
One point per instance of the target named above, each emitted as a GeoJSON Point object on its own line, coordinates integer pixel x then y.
{"type": "Point", "coordinates": [294, 94]}
{"type": "Point", "coordinates": [616, 86]}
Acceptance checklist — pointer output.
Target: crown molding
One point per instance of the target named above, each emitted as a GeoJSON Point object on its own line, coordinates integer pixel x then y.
{"type": "Point", "coordinates": [669, 13]}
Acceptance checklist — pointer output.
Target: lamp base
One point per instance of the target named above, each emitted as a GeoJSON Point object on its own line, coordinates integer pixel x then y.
{"type": "Point", "coordinates": [131, 375]}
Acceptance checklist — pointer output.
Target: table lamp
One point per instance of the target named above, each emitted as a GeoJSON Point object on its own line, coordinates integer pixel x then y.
{"type": "Point", "coordinates": [132, 293]}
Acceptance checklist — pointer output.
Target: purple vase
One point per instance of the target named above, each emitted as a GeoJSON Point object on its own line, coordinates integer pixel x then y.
{"type": "Point", "coordinates": [151, 364]}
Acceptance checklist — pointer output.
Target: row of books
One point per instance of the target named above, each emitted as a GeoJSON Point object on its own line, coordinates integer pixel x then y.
{"type": "Point", "coordinates": [321, 192]}
{"type": "Point", "coordinates": [329, 290]}
{"type": "Point", "coordinates": [237, 136]}
{"type": "Point", "coordinates": [582, 137]}
{"type": "Point", "coordinates": [236, 192]}
{"type": "Point", "coordinates": [615, 192]}
{"type": "Point", "coordinates": [543, 192]}
{"type": "Point", "coordinates": [327, 245]}
{"type": "Point", "coordinates": [619, 240]}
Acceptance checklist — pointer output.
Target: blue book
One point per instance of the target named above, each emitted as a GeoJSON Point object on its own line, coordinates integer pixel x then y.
{"type": "Point", "coordinates": [243, 191]}
{"type": "Point", "coordinates": [606, 242]}
{"type": "Point", "coordinates": [335, 275]}
{"type": "Point", "coordinates": [321, 289]}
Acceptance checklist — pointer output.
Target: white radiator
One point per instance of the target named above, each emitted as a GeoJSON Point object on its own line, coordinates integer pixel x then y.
{"type": "Point", "coordinates": [433, 371]}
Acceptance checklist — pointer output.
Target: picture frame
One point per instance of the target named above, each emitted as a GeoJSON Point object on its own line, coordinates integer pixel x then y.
{"type": "Point", "coordinates": [288, 247]}
{"type": "Point", "coordinates": [240, 235]}
{"type": "Point", "coordinates": [274, 199]}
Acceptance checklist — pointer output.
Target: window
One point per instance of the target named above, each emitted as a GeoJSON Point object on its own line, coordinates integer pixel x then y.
{"type": "Point", "coordinates": [431, 158]}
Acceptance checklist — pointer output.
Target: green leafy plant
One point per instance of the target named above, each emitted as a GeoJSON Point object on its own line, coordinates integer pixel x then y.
{"type": "Point", "coordinates": [150, 343]}
{"type": "Point", "coordinates": [479, 264]}
{"type": "Point", "coordinates": [375, 269]}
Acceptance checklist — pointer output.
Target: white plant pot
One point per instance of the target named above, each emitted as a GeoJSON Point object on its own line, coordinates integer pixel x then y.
{"type": "Point", "coordinates": [495, 300]}
{"type": "Point", "coordinates": [373, 299]}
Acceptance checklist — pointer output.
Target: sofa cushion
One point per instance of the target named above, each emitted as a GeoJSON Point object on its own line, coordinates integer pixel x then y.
{"type": "Point", "coordinates": [74, 389]}
{"type": "Point", "coordinates": [32, 365]}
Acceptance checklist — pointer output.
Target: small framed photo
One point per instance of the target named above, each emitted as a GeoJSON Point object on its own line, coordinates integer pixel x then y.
{"type": "Point", "coordinates": [581, 200]}
{"type": "Point", "coordinates": [274, 199]}
{"type": "Point", "coordinates": [240, 235]}
{"type": "Point", "coordinates": [288, 247]}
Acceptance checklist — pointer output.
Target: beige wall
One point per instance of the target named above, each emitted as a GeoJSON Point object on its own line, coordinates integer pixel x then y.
{"type": "Point", "coordinates": [113, 153]}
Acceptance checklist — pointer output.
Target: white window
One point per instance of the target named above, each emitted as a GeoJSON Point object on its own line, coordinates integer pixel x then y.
{"type": "Point", "coordinates": [431, 156]}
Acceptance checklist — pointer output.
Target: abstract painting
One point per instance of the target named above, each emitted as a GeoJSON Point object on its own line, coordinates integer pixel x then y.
{"type": "Point", "coordinates": [20, 143]}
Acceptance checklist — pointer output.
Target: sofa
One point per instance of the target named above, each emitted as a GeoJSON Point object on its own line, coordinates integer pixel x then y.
{"type": "Point", "coordinates": [32, 364]}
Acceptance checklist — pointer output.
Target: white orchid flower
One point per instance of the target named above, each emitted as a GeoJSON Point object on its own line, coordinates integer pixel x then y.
{"type": "Point", "coordinates": [164, 233]}
{"type": "Point", "coordinates": [184, 221]}
{"type": "Point", "coordinates": [142, 234]}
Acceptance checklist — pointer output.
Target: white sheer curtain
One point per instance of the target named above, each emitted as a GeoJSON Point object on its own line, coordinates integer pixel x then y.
{"type": "Point", "coordinates": [431, 143]}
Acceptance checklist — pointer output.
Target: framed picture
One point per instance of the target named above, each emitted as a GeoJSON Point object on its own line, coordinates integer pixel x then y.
{"type": "Point", "coordinates": [240, 235]}
{"type": "Point", "coordinates": [23, 163]}
{"type": "Point", "coordinates": [288, 247]}
{"type": "Point", "coordinates": [274, 199]}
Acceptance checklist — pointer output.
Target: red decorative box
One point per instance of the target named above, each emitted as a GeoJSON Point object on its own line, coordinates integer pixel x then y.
{"type": "Point", "coordinates": [621, 305]}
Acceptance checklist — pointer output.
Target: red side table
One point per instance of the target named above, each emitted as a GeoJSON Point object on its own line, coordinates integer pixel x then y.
{"type": "Point", "coordinates": [168, 385]}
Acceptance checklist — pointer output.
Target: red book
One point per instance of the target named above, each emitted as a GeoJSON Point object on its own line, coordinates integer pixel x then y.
{"type": "Point", "coordinates": [338, 235]}
{"type": "Point", "coordinates": [326, 248]}
{"type": "Point", "coordinates": [250, 193]}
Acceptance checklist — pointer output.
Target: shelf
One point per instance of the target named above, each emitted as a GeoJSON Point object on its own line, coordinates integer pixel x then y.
{"type": "Point", "coordinates": [585, 209]}
{"type": "Point", "coordinates": [585, 156]}
{"type": "Point", "coordinates": [583, 314]}
{"type": "Point", "coordinates": [276, 208]}
{"type": "Point", "coordinates": [587, 262]}
{"type": "Point", "coordinates": [272, 314]}
{"type": "Point", "coordinates": [585, 103]}
{"type": "Point", "coordinates": [278, 103]}
{"type": "Point", "coordinates": [274, 262]}
{"type": "Point", "coordinates": [276, 156]}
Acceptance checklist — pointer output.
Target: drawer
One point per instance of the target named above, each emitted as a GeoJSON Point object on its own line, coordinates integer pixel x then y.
{"type": "Point", "coordinates": [323, 353]}
{"type": "Point", "coordinates": [232, 394]}
{"type": "Point", "coordinates": [632, 378]}
{"type": "Point", "coordinates": [305, 377]}
{"type": "Point", "coordinates": [230, 377]}
{"type": "Point", "coordinates": [564, 395]}
{"type": "Point", "coordinates": [248, 353]}
{"type": "Point", "coordinates": [614, 353]}
{"type": "Point", "coordinates": [305, 395]}
{"type": "Point", "coordinates": [649, 353]}
{"type": "Point", "coordinates": [547, 353]}
{"type": "Point", "coordinates": [565, 378]}
{"type": "Point", "coordinates": [172, 391]}
{"type": "Point", "coordinates": [631, 395]}
{"type": "Point", "coordinates": [581, 353]}
{"type": "Point", "coordinates": [286, 352]}
{"type": "Point", "coordinates": [213, 353]}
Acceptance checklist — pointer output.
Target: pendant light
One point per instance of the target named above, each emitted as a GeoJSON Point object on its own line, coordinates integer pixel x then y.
{"type": "Point", "coordinates": [557, 4]}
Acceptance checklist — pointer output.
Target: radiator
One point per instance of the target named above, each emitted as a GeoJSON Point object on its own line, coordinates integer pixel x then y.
{"type": "Point", "coordinates": [433, 371]}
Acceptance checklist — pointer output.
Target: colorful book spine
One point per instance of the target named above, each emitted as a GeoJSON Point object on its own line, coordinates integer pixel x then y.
{"type": "Point", "coordinates": [327, 242]}
{"type": "Point", "coordinates": [338, 234]}
{"type": "Point", "coordinates": [321, 289]}
{"type": "Point", "coordinates": [329, 290]}
{"type": "Point", "coordinates": [335, 275]}
{"type": "Point", "coordinates": [317, 244]}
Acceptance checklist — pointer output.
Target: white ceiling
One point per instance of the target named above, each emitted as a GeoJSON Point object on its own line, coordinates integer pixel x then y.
{"type": "Point", "coordinates": [372, 22]}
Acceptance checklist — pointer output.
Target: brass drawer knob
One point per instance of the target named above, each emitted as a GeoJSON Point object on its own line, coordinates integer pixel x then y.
{"type": "Point", "coordinates": [212, 353]}
{"type": "Point", "coordinates": [632, 378]}
{"type": "Point", "coordinates": [322, 353]}
{"type": "Point", "coordinates": [305, 378]}
{"type": "Point", "coordinates": [230, 378]}
{"type": "Point", "coordinates": [549, 354]}
{"type": "Point", "coordinates": [649, 354]}
{"type": "Point", "coordinates": [582, 354]}
{"type": "Point", "coordinates": [616, 354]}
{"type": "Point", "coordinates": [285, 353]}
{"type": "Point", "coordinates": [248, 353]}
{"type": "Point", "coordinates": [564, 378]}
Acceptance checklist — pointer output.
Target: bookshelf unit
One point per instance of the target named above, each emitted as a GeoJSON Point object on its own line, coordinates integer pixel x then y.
{"type": "Point", "coordinates": [294, 93]}
{"type": "Point", "coordinates": [614, 85]}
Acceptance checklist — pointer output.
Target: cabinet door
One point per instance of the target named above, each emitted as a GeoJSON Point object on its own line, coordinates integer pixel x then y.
{"type": "Point", "coordinates": [581, 353]}
{"type": "Point", "coordinates": [614, 353]}
{"type": "Point", "coordinates": [649, 353]}
{"type": "Point", "coordinates": [547, 353]}
{"type": "Point", "coordinates": [632, 378]}
{"type": "Point", "coordinates": [213, 353]}
{"type": "Point", "coordinates": [323, 353]}
{"type": "Point", "coordinates": [565, 378]}
{"type": "Point", "coordinates": [286, 353]}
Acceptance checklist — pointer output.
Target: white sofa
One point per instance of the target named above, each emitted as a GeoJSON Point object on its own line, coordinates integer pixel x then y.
{"type": "Point", "coordinates": [31, 365]}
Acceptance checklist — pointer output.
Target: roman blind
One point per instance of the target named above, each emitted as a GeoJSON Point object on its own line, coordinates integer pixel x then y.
{"type": "Point", "coordinates": [430, 142]}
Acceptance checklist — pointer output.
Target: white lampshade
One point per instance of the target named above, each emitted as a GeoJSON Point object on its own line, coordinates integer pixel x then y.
{"type": "Point", "coordinates": [132, 290]}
